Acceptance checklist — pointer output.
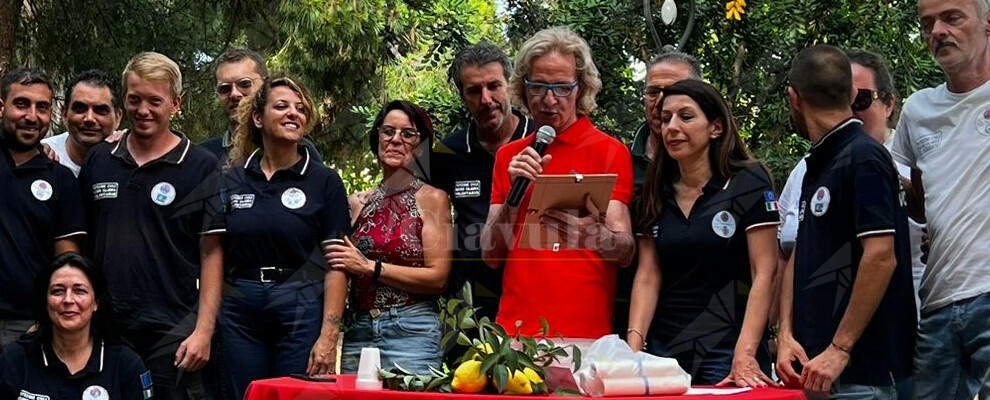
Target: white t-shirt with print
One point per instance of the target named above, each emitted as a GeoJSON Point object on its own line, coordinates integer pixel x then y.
{"type": "Point", "coordinates": [947, 136]}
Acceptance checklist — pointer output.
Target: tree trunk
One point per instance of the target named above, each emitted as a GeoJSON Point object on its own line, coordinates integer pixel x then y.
{"type": "Point", "coordinates": [10, 11]}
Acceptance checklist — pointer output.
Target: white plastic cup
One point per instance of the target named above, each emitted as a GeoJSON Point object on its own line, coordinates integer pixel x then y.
{"type": "Point", "coordinates": [368, 366]}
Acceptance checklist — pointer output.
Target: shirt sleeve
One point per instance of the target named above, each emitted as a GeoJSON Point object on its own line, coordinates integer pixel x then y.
{"type": "Point", "coordinates": [901, 149]}
{"type": "Point", "coordinates": [213, 195]}
{"type": "Point", "coordinates": [69, 210]}
{"type": "Point", "coordinates": [135, 378]}
{"type": "Point", "coordinates": [622, 167]}
{"type": "Point", "coordinates": [500, 176]}
{"type": "Point", "coordinates": [787, 205]}
{"type": "Point", "coordinates": [336, 214]}
{"type": "Point", "coordinates": [875, 197]}
{"type": "Point", "coordinates": [757, 197]}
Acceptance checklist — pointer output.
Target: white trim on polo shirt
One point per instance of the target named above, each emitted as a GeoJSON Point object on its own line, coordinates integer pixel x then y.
{"type": "Point", "coordinates": [774, 223]}
{"type": "Point", "coordinates": [184, 151]}
{"type": "Point", "coordinates": [214, 231]}
{"type": "Point", "coordinates": [306, 165]}
{"type": "Point", "coordinates": [76, 233]}
{"type": "Point", "coordinates": [248, 161]}
{"type": "Point", "coordinates": [873, 233]}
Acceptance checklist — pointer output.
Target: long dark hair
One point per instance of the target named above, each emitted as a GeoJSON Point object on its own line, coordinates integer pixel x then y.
{"type": "Point", "coordinates": [727, 154]}
{"type": "Point", "coordinates": [99, 326]}
{"type": "Point", "coordinates": [424, 125]}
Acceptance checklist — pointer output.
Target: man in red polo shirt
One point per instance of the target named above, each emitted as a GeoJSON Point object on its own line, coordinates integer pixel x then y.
{"type": "Point", "coordinates": [556, 80]}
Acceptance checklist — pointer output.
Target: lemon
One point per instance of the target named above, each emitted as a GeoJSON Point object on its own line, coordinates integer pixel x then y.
{"type": "Point", "coordinates": [482, 348]}
{"type": "Point", "coordinates": [519, 383]}
{"type": "Point", "coordinates": [532, 375]}
{"type": "Point", "coordinates": [468, 378]}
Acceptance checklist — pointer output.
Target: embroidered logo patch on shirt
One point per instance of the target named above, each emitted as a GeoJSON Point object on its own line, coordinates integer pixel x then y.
{"type": "Point", "coordinates": [163, 193]}
{"type": "Point", "coordinates": [146, 384]}
{"type": "Point", "coordinates": [770, 200]}
{"type": "Point", "coordinates": [724, 224]}
{"type": "Point", "coordinates": [105, 190]}
{"type": "Point", "coordinates": [41, 189]}
{"type": "Point", "coordinates": [95, 392]}
{"type": "Point", "coordinates": [820, 200]}
{"type": "Point", "coordinates": [26, 395]}
{"type": "Point", "coordinates": [293, 198]}
{"type": "Point", "coordinates": [463, 189]}
{"type": "Point", "coordinates": [241, 201]}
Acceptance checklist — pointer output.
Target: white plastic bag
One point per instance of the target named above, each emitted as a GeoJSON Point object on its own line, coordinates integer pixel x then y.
{"type": "Point", "coordinates": [611, 368]}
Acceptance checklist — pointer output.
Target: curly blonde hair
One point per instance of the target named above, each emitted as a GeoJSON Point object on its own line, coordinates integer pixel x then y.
{"type": "Point", "coordinates": [247, 137]}
{"type": "Point", "coordinates": [563, 40]}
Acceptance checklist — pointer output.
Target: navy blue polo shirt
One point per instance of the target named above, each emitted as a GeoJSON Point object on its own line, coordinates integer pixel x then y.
{"type": "Point", "coordinates": [850, 191]}
{"type": "Point", "coordinates": [462, 167]}
{"type": "Point", "coordinates": [704, 259]}
{"type": "Point", "coordinates": [281, 222]}
{"type": "Point", "coordinates": [31, 370]}
{"type": "Point", "coordinates": [40, 205]}
{"type": "Point", "coordinates": [220, 147]}
{"type": "Point", "coordinates": [146, 224]}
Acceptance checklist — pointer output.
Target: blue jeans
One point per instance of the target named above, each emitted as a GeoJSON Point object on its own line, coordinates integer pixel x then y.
{"type": "Point", "coordinates": [408, 336]}
{"type": "Point", "coordinates": [268, 330]}
{"type": "Point", "coordinates": [842, 391]}
{"type": "Point", "coordinates": [952, 356]}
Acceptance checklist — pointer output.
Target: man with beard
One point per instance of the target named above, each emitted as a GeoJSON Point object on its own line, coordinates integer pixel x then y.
{"type": "Point", "coordinates": [91, 113]}
{"type": "Point", "coordinates": [41, 214]}
{"type": "Point", "coordinates": [239, 74]}
{"type": "Point", "coordinates": [463, 163]}
{"type": "Point", "coordinates": [846, 292]}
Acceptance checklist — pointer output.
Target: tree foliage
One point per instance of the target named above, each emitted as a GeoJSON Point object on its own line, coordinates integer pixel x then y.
{"type": "Point", "coordinates": [355, 55]}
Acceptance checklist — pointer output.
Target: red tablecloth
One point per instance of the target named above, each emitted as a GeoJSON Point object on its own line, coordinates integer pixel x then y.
{"type": "Point", "coordinates": [297, 389]}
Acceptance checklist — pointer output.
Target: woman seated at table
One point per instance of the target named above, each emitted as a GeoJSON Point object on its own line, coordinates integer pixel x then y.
{"type": "Point", "coordinates": [72, 354]}
{"type": "Point", "coordinates": [399, 255]}
{"type": "Point", "coordinates": [708, 248]}
{"type": "Point", "coordinates": [283, 306]}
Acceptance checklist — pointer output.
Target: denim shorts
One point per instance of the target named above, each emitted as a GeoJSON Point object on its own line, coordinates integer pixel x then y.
{"type": "Point", "coordinates": [408, 336]}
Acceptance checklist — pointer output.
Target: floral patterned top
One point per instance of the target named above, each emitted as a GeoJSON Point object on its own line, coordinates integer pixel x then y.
{"type": "Point", "coordinates": [389, 229]}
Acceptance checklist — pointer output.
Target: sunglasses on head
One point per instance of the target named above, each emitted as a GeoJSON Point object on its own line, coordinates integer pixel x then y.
{"type": "Point", "coordinates": [242, 85]}
{"type": "Point", "coordinates": [865, 98]}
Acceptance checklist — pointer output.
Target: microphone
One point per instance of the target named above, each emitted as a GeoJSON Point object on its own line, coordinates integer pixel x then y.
{"type": "Point", "coordinates": [544, 136]}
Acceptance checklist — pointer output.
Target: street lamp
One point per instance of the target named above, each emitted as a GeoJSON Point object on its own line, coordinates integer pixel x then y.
{"type": "Point", "coordinates": [668, 13]}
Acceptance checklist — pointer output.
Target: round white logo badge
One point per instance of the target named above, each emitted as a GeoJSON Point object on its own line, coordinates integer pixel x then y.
{"type": "Point", "coordinates": [163, 193]}
{"type": "Point", "coordinates": [95, 392]}
{"type": "Point", "coordinates": [293, 198]}
{"type": "Point", "coordinates": [724, 224]}
{"type": "Point", "coordinates": [42, 190]}
{"type": "Point", "coordinates": [819, 201]}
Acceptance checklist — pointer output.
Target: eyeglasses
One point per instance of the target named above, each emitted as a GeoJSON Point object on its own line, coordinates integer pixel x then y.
{"type": "Point", "coordinates": [653, 92]}
{"type": "Point", "coordinates": [865, 97]}
{"type": "Point", "coordinates": [537, 89]}
{"type": "Point", "coordinates": [243, 85]}
{"type": "Point", "coordinates": [408, 134]}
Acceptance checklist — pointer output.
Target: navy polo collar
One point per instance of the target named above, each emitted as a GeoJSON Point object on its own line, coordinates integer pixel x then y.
{"type": "Point", "coordinates": [638, 148]}
{"type": "Point", "coordinates": [834, 136]}
{"type": "Point", "coordinates": [93, 366]}
{"type": "Point", "coordinates": [523, 128]}
{"type": "Point", "coordinates": [174, 156]}
{"type": "Point", "coordinates": [253, 163]}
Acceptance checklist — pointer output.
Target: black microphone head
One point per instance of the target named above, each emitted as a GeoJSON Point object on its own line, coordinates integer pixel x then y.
{"type": "Point", "coordinates": [545, 134]}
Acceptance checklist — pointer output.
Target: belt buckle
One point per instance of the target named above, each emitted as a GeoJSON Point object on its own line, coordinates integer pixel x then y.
{"type": "Point", "coordinates": [375, 313]}
{"type": "Point", "coordinates": [262, 278]}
